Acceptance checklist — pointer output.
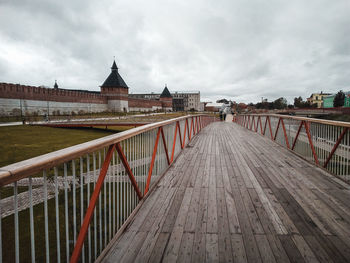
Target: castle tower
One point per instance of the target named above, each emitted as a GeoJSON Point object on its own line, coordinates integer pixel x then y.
{"type": "Point", "coordinates": [116, 91]}
{"type": "Point", "coordinates": [166, 99]}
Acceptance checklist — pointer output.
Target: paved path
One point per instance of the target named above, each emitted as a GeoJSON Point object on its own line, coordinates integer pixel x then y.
{"type": "Point", "coordinates": [235, 196]}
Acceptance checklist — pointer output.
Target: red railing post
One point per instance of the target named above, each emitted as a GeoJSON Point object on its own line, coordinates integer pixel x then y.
{"type": "Point", "coordinates": [128, 170]}
{"type": "Point", "coordinates": [310, 141]}
{"type": "Point", "coordinates": [152, 162]}
{"type": "Point", "coordinates": [278, 125]}
{"type": "Point", "coordinates": [165, 146]}
{"type": "Point", "coordinates": [90, 210]}
{"type": "Point", "coordinates": [184, 139]}
{"type": "Point", "coordinates": [335, 146]}
{"type": "Point", "coordinates": [296, 137]}
{"type": "Point", "coordinates": [180, 137]}
{"type": "Point", "coordinates": [174, 143]}
{"type": "Point", "coordinates": [285, 133]}
{"type": "Point", "coordinates": [190, 131]}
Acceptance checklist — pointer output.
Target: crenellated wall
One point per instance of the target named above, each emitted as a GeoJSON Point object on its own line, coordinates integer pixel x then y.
{"type": "Point", "coordinates": [17, 91]}
{"type": "Point", "coordinates": [16, 98]}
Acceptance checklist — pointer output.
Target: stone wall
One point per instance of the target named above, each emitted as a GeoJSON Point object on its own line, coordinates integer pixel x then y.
{"type": "Point", "coordinates": [16, 91]}
{"type": "Point", "coordinates": [15, 107]}
{"type": "Point", "coordinates": [16, 98]}
{"type": "Point", "coordinates": [144, 104]}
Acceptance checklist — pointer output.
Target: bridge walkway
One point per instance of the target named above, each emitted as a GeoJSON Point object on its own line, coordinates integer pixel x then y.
{"type": "Point", "coordinates": [235, 196]}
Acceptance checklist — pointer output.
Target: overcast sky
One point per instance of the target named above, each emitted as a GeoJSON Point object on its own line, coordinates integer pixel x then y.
{"type": "Point", "coordinates": [236, 49]}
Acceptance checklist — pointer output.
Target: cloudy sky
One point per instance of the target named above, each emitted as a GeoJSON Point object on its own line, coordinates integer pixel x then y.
{"type": "Point", "coordinates": [238, 49]}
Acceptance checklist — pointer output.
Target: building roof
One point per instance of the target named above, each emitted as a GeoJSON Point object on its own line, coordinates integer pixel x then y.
{"type": "Point", "coordinates": [165, 93]}
{"type": "Point", "coordinates": [214, 104]}
{"type": "Point", "coordinates": [114, 79]}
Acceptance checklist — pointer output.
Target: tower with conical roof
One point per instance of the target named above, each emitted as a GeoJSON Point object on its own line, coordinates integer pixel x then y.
{"type": "Point", "coordinates": [116, 91]}
{"type": "Point", "coordinates": [166, 99]}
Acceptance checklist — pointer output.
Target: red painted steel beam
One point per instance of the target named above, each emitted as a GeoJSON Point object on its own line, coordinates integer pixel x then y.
{"type": "Point", "coordinates": [128, 170]}
{"type": "Point", "coordinates": [310, 141]}
{"type": "Point", "coordinates": [174, 144]}
{"type": "Point", "coordinates": [190, 131]}
{"type": "Point", "coordinates": [270, 127]}
{"type": "Point", "coordinates": [261, 126]}
{"type": "Point", "coordinates": [152, 162]}
{"type": "Point", "coordinates": [296, 137]}
{"type": "Point", "coordinates": [285, 133]}
{"type": "Point", "coordinates": [278, 125]}
{"type": "Point", "coordinates": [84, 228]}
{"type": "Point", "coordinates": [165, 146]}
{"type": "Point", "coordinates": [336, 146]}
{"type": "Point", "coordinates": [257, 124]}
{"type": "Point", "coordinates": [265, 126]}
{"type": "Point", "coordinates": [184, 138]}
{"type": "Point", "coordinates": [180, 137]}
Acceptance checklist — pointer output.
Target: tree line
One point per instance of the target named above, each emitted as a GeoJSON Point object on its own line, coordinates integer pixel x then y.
{"type": "Point", "coordinates": [281, 103]}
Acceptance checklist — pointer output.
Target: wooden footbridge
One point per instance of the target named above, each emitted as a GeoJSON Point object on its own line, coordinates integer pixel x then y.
{"type": "Point", "coordinates": [264, 188]}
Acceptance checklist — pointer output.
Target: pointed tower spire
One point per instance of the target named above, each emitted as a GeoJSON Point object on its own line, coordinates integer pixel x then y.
{"type": "Point", "coordinates": [55, 86]}
{"type": "Point", "coordinates": [114, 66]}
{"type": "Point", "coordinates": [165, 93]}
{"type": "Point", "coordinates": [114, 79]}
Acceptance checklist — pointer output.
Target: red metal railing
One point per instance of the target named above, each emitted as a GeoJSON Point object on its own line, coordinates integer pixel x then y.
{"type": "Point", "coordinates": [119, 171]}
{"type": "Point", "coordinates": [323, 142]}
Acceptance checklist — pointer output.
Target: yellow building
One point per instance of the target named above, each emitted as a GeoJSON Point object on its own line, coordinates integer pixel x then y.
{"type": "Point", "coordinates": [317, 98]}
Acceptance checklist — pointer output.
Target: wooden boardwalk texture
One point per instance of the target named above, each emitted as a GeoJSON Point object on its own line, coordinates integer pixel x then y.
{"type": "Point", "coordinates": [235, 196]}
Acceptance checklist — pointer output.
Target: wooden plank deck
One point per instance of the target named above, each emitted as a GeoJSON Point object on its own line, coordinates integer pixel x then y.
{"type": "Point", "coordinates": [235, 196]}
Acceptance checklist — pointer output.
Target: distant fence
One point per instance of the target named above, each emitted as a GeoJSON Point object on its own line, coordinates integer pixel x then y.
{"type": "Point", "coordinates": [325, 143]}
{"type": "Point", "coordinates": [88, 191]}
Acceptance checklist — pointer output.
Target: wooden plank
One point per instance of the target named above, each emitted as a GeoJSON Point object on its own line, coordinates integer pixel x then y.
{"type": "Point", "coordinates": [159, 247]}
{"type": "Point", "coordinates": [291, 250]}
{"type": "Point", "coordinates": [238, 250]}
{"type": "Point", "coordinates": [304, 248]}
{"type": "Point", "coordinates": [173, 211]}
{"type": "Point", "coordinates": [211, 248]}
{"type": "Point", "coordinates": [287, 222]}
{"type": "Point", "coordinates": [343, 248]}
{"type": "Point", "coordinates": [173, 246]}
{"type": "Point", "coordinates": [224, 238]}
{"type": "Point", "coordinates": [183, 211]}
{"type": "Point", "coordinates": [133, 248]}
{"type": "Point", "coordinates": [251, 248]}
{"type": "Point", "coordinates": [198, 253]}
{"type": "Point", "coordinates": [185, 251]}
{"type": "Point", "coordinates": [119, 248]}
{"type": "Point", "coordinates": [154, 229]}
{"type": "Point", "coordinates": [264, 249]}
{"type": "Point", "coordinates": [192, 211]}
{"type": "Point", "coordinates": [252, 215]}
{"type": "Point", "coordinates": [317, 249]}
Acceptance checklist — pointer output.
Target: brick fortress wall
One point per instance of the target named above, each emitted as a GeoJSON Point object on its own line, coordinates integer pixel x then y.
{"type": "Point", "coordinates": [16, 91]}
{"type": "Point", "coordinates": [30, 99]}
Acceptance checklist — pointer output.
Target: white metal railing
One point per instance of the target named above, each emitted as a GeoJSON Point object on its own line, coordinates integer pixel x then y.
{"type": "Point", "coordinates": [323, 142]}
{"type": "Point", "coordinates": [83, 195]}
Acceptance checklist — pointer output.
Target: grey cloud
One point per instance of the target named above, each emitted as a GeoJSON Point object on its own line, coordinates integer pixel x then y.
{"type": "Point", "coordinates": [243, 50]}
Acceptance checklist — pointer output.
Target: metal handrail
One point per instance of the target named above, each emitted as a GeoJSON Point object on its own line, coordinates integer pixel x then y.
{"type": "Point", "coordinates": [326, 143]}
{"type": "Point", "coordinates": [111, 175]}
{"type": "Point", "coordinates": [329, 122]}
{"type": "Point", "coordinates": [14, 172]}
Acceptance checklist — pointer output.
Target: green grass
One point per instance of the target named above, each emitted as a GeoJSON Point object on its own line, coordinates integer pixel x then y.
{"type": "Point", "coordinates": [18, 143]}
{"type": "Point", "coordinates": [39, 224]}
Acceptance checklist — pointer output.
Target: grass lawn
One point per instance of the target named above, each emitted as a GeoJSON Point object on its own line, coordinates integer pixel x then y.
{"type": "Point", "coordinates": [18, 143]}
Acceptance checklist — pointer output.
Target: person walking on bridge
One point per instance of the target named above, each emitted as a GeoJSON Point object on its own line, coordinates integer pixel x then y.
{"type": "Point", "coordinates": [226, 111]}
